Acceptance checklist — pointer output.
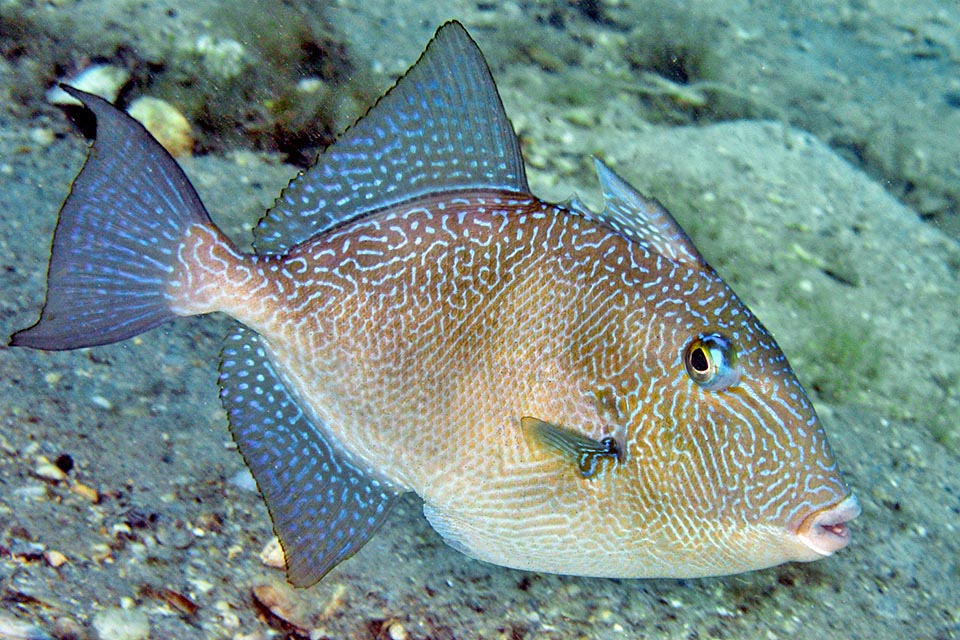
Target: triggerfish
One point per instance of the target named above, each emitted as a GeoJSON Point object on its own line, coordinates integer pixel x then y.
{"type": "Point", "coordinates": [567, 390]}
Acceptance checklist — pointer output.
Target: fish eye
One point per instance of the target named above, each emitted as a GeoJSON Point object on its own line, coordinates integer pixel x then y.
{"type": "Point", "coordinates": [711, 362]}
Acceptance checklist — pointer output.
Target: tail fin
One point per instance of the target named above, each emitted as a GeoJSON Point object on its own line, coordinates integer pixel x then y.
{"type": "Point", "coordinates": [115, 245]}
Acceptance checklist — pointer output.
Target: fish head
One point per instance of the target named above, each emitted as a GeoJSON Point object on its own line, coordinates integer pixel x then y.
{"type": "Point", "coordinates": [726, 447]}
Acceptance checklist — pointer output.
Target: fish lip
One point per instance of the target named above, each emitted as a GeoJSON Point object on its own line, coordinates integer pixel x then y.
{"type": "Point", "coordinates": [825, 530]}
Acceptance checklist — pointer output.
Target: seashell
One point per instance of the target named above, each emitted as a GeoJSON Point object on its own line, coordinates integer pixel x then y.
{"type": "Point", "coordinates": [104, 80]}
{"type": "Point", "coordinates": [165, 122]}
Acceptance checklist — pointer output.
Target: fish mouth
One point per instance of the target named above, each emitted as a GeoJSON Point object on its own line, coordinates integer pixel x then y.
{"type": "Point", "coordinates": [825, 531]}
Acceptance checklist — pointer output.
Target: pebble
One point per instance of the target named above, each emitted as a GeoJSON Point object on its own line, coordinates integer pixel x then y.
{"type": "Point", "coordinates": [175, 535]}
{"type": "Point", "coordinates": [581, 117]}
{"type": "Point", "coordinates": [54, 558]}
{"type": "Point", "coordinates": [14, 628]}
{"type": "Point", "coordinates": [31, 492]}
{"type": "Point", "coordinates": [67, 628]}
{"type": "Point", "coordinates": [101, 552]}
{"type": "Point", "coordinates": [243, 479]}
{"type": "Point", "coordinates": [272, 555]}
{"type": "Point", "coordinates": [101, 402]}
{"type": "Point", "coordinates": [397, 632]}
{"type": "Point", "coordinates": [121, 624]}
{"type": "Point", "coordinates": [42, 136]}
{"type": "Point", "coordinates": [228, 618]}
{"type": "Point", "coordinates": [88, 493]}
{"type": "Point", "coordinates": [165, 123]}
{"type": "Point", "coordinates": [102, 80]}
{"type": "Point", "coordinates": [283, 602]}
{"type": "Point", "coordinates": [48, 470]}
{"type": "Point", "coordinates": [25, 549]}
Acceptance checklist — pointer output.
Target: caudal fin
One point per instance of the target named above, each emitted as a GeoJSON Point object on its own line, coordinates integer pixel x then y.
{"type": "Point", "coordinates": [115, 245]}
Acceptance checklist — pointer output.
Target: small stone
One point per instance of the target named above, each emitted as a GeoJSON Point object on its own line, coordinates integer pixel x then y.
{"type": "Point", "coordinates": [31, 492]}
{"type": "Point", "coordinates": [284, 603]}
{"type": "Point", "coordinates": [55, 558]}
{"type": "Point", "coordinates": [272, 555]}
{"type": "Point", "coordinates": [243, 479]}
{"type": "Point", "coordinates": [102, 80]}
{"type": "Point", "coordinates": [312, 85]}
{"type": "Point", "coordinates": [201, 586]}
{"type": "Point", "coordinates": [228, 618]}
{"type": "Point", "coordinates": [165, 123]}
{"type": "Point", "coordinates": [11, 627]}
{"type": "Point", "coordinates": [101, 402]}
{"type": "Point", "coordinates": [175, 535]}
{"type": "Point", "coordinates": [26, 550]}
{"type": "Point", "coordinates": [41, 136]}
{"type": "Point", "coordinates": [397, 632]}
{"type": "Point", "coordinates": [48, 471]}
{"type": "Point", "coordinates": [581, 117]}
{"type": "Point", "coordinates": [88, 493]}
{"type": "Point", "coordinates": [122, 624]}
{"type": "Point", "coordinates": [100, 552]}
{"type": "Point", "coordinates": [67, 628]}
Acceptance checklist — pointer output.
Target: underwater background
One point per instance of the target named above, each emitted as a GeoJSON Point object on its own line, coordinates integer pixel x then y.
{"type": "Point", "coordinates": [811, 150]}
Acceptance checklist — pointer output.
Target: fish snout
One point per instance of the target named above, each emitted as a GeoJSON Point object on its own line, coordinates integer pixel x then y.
{"type": "Point", "coordinates": [825, 531]}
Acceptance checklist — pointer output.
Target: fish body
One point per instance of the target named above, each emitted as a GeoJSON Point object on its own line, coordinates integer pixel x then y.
{"type": "Point", "coordinates": [568, 391]}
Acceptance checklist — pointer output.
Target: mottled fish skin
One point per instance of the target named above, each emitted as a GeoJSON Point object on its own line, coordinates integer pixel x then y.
{"type": "Point", "coordinates": [567, 391]}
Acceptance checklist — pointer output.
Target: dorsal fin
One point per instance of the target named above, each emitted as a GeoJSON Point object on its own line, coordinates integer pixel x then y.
{"type": "Point", "coordinates": [631, 214]}
{"type": "Point", "coordinates": [442, 127]}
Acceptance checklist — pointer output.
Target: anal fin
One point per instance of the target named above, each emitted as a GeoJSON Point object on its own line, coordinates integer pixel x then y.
{"type": "Point", "coordinates": [324, 509]}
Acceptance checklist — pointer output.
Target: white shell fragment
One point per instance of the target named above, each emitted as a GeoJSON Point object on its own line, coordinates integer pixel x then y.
{"type": "Point", "coordinates": [102, 80]}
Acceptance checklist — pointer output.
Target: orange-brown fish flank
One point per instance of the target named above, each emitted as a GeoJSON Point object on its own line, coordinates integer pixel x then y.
{"type": "Point", "coordinates": [567, 390]}
{"type": "Point", "coordinates": [207, 267]}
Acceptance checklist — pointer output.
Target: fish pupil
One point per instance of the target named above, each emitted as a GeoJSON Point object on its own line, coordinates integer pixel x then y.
{"type": "Point", "coordinates": [699, 361]}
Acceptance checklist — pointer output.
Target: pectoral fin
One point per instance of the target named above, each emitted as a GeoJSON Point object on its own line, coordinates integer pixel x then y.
{"type": "Point", "coordinates": [583, 451]}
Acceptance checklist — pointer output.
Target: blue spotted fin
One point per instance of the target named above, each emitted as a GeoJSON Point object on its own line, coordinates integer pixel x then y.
{"type": "Point", "coordinates": [441, 128]}
{"type": "Point", "coordinates": [323, 508]}
{"type": "Point", "coordinates": [633, 215]}
{"type": "Point", "coordinates": [116, 238]}
{"type": "Point", "coordinates": [583, 451]}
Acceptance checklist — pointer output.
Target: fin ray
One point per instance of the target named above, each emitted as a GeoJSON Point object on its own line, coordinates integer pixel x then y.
{"type": "Point", "coordinates": [630, 213]}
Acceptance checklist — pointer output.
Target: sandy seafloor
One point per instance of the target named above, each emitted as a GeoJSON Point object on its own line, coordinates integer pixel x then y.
{"type": "Point", "coordinates": [812, 155]}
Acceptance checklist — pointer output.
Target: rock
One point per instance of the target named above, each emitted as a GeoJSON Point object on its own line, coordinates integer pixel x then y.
{"type": "Point", "coordinates": [121, 624]}
{"type": "Point", "coordinates": [165, 123]}
{"type": "Point", "coordinates": [272, 555]}
{"type": "Point", "coordinates": [55, 558]}
{"type": "Point", "coordinates": [102, 80]}
{"type": "Point", "coordinates": [13, 628]}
